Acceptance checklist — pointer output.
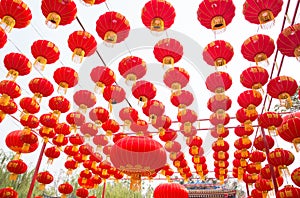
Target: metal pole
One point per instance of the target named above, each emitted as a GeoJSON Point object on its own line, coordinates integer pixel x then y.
{"type": "Point", "coordinates": [37, 167]}
{"type": "Point", "coordinates": [103, 190]}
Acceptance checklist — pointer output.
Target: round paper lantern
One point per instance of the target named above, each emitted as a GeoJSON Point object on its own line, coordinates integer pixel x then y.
{"type": "Point", "coordinates": [44, 52]}
{"type": "Point", "coordinates": [170, 190]}
{"type": "Point", "coordinates": [282, 88]}
{"type": "Point", "coordinates": [296, 176]}
{"type": "Point", "coordinates": [75, 119]}
{"type": "Point", "coordinates": [14, 14]}
{"type": "Point", "coordinates": [162, 123]}
{"type": "Point", "coordinates": [288, 41]}
{"type": "Point", "coordinates": [84, 99]}
{"type": "Point", "coordinates": [262, 12]}
{"type": "Point", "coordinates": [132, 68]}
{"type": "Point", "coordinates": [58, 13]}
{"type": "Point", "coordinates": [11, 108]}
{"type": "Point", "coordinates": [258, 48]}
{"type": "Point", "coordinates": [254, 77]}
{"type": "Point", "coordinates": [176, 78]}
{"type": "Point", "coordinates": [8, 90]}
{"type": "Point", "coordinates": [114, 94]}
{"type": "Point", "coordinates": [219, 105]}
{"type": "Point", "coordinates": [218, 53]}
{"type": "Point", "coordinates": [128, 115]}
{"type": "Point", "coordinates": [218, 82]}
{"type": "Point", "coordinates": [99, 115]}
{"type": "Point", "coordinates": [88, 129]}
{"type": "Point", "coordinates": [270, 121]}
{"type": "Point", "coordinates": [289, 131]}
{"type": "Point", "coordinates": [140, 127]}
{"type": "Point", "coordinates": [249, 100]}
{"type": "Point", "coordinates": [153, 109]}
{"type": "Point", "coordinates": [260, 145]}
{"type": "Point", "coordinates": [16, 167]}
{"type": "Point", "coordinates": [59, 104]}
{"type": "Point", "coordinates": [29, 106]}
{"type": "Point", "coordinates": [288, 192]}
{"type": "Point", "coordinates": [216, 14]}
{"type": "Point", "coordinates": [82, 44]}
{"type": "Point", "coordinates": [158, 15]}
{"type": "Point", "coordinates": [110, 127]}
{"type": "Point", "coordinates": [137, 156]}
{"type": "Point", "coordinates": [65, 189]}
{"type": "Point", "coordinates": [181, 99]}
{"type": "Point", "coordinates": [8, 193]}
{"type": "Point", "coordinates": [65, 77]}
{"type": "Point", "coordinates": [187, 118]}
{"type": "Point", "coordinates": [52, 153]}
{"type": "Point", "coordinates": [102, 76]}
{"type": "Point", "coordinates": [243, 117]}
{"type": "Point", "coordinates": [168, 51]}
{"type": "Point", "coordinates": [17, 65]}
{"type": "Point", "coordinates": [281, 158]}
{"type": "Point", "coordinates": [44, 178]}
{"type": "Point", "coordinates": [143, 91]}
{"type": "Point", "coordinates": [112, 27]}
{"type": "Point", "coordinates": [40, 87]}
{"type": "Point", "coordinates": [82, 192]}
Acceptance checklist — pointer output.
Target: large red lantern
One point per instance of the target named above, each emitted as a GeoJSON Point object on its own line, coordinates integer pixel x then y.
{"type": "Point", "coordinates": [254, 77]}
{"type": "Point", "coordinates": [132, 68]}
{"type": "Point", "coordinates": [289, 131]}
{"type": "Point", "coordinates": [112, 27]}
{"type": "Point", "coordinates": [102, 76]}
{"type": "Point", "coordinates": [17, 65]}
{"type": "Point", "coordinates": [114, 94]}
{"type": "Point", "coordinates": [249, 100]}
{"type": "Point", "coordinates": [288, 41]}
{"type": "Point", "coordinates": [8, 193]}
{"type": "Point", "coordinates": [84, 99]}
{"type": "Point", "coordinates": [216, 14]}
{"type": "Point", "coordinates": [176, 78]}
{"type": "Point", "coordinates": [16, 167]}
{"type": "Point", "coordinates": [65, 189]}
{"type": "Point", "coordinates": [258, 48]}
{"type": "Point", "coordinates": [138, 156]}
{"type": "Point", "coordinates": [260, 145]}
{"type": "Point", "coordinates": [8, 90]}
{"type": "Point", "coordinates": [262, 12]}
{"type": "Point", "coordinates": [58, 13]}
{"type": "Point", "coordinates": [282, 88]}
{"type": "Point", "coordinates": [296, 176]}
{"type": "Point", "coordinates": [218, 53]}
{"type": "Point", "coordinates": [82, 192]}
{"type": "Point", "coordinates": [82, 44]}
{"type": "Point", "coordinates": [143, 91]}
{"type": "Point", "coordinates": [65, 77]}
{"type": "Point", "coordinates": [158, 15]}
{"type": "Point", "coordinates": [59, 104]}
{"type": "Point", "coordinates": [29, 106]}
{"type": "Point", "coordinates": [281, 158]}
{"type": "Point", "coordinates": [288, 192]}
{"type": "Point", "coordinates": [14, 14]}
{"type": "Point", "coordinates": [44, 178]}
{"type": "Point", "coordinates": [270, 121]}
{"type": "Point", "coordinates": [168, 51]}
{"type": "Point", "coordinates": [181, 99]}
{"type": "Point", "coordinates": [170, 190]}
{"type": "Point", "coordinates": [40, 87]}
{"type": "Point", "coordinates": [44, 52]}
{"type": "Point", "coordinates": [3, 38]}
{"type": "Point", "coordinates": [218, 82]}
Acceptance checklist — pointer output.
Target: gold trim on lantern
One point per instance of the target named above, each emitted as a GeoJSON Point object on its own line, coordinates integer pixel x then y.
{"type": "Point", "coordinates": [157, 25]}
{"type": "Point", "coordinates": [168, 60]}
{"type": "Point", "coordinates": [9, 22]}
{"type": "Point", "coordinates": [78, 55]}
{"type": "Point", "coordinates": [266, 19]}
{"type": "Point", "coordinates": [110, 37]}
{"type": "Point", "coordinates": [40, 63]}
{"type": "Point", "coordinates": [218, 23]}
{"type": "Point", "coordinates": [53, 20]}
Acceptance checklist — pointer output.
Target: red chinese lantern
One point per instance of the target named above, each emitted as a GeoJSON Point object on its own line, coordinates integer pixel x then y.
{"type": "Point", "coordinates": [289, 131]}
{"type": "Point", "coordinates": [262, 12]}
{"type": "Point", "coordinates": [132, 68]}
{"type": "Point", "coordinates": [102, 76]}
{"type": "Point", "coordinates": [44, 52]}
{"type": "Point", "coordinates": [170, 190]}
{"type": "Point", "coordinates": [65, 77]}
{"type": "Point", "coordinates": [16, 167]}
{"type": "Point", "coordinates": [65, 189]}
{"type": "Point", "coordinates": [218, 82]}
{"type": "Point", "coordinates": [17, 65]}
{"type": "Point", "coordinates": [14, 14]}
{"type": "Point", "coordinates": [128, 115]}
{"type": "Point", "coordinates": [168, 51]}
{"type": "Point", "coordinates": [254, 77]}
{"type": "Point", "coordinates": [256, 193]}
{"type": "Point", "coordinates": [82, 44]}
{"type": "Point", "coordinates": [110, 127]}
{"type": "Point", "coordinates": [52, 153]}
{"type": "Point", "coordinates": [162, 123]}
{"type": "Point", "coordinates": [118, 136]}
{"type": "Point", "coordinates": [266, 172]}
{"type": "Point", "coordinates": [84, 99]}
{"type": "Point", "coordinates": [11, 108]}
{"type": "Point", "coordinates": [219, 105]}
{"type": "Point", "coordinates": [176, 78]}
{"type": "Point", "coordinates": [8, 90]}
{"type": "Point", "coordinates": [258, 48]}
{"type": "Point", "coordinates": [44, 178]}
{"type": "Point", "coordinates": [249, 100]}
{"type": "Point", "coordinates": [71, 165]}
{"type": "Point", "coordinates": [112, 27]}
{"type": "Point", "coordinates": [243, 143]}
{"type": "Point", "coordinates": [46, 133]}
{"type": "Point", "coordinates": [260, 145]}
{"type": "Point", "coordinates": [281, 158]}
{"type": "Point", "coordinates": [92, 2]}
{"type": "Point", "coordinates": [187, 118]}
{"type": "Point", "coordinates": [40, 87]}
{"type": "Point", "coordinates": [168, 135]}
{"type": "Point", "coordinates": [282, 88]}
{"type": "Point", "coordinates": [216, 14]}
{"type": "Point", "coordinates": [99, 115]}
{"type": "Point", "coordinates": [296, 176]}
{"type": "Point", "coordinates": [140, 127]}
{"type": "Point", "coordinates": [172, 147]}
{"type": "Point", "coordinates": [89, 129]}
{"type": "Point", "coordinates": [181, 99]}
{"type": "Point", "coordinates": [218, 53]}
{"type": "Point", "coordinates": [289, 40]}
{"type": "Point", "coordinates": [75, 119]}
{"type": "Point", "coordinates": [143, 91]}
{"type": "Point", "coordinates": [158, 15]}
{"type": "Point", "coordinates": [58, 13]}
{"type": "Point", "coordinates": [113, 94]}
{"type": "Point", "coordinates": [243, 117]}
{"type": "Point", "coordinates": [8, 193]}
{"type": "Point", "coordinates": [220, 145]}
{"type": "Point", "coordinates": [270, 121]}
{"type": "Point", "coordinates": [28, 138]}
{"type": "Point", "coordinates": [62, 130]}
{"type": "Point", "coordinates": [29, 106]}
{"type": "Point", "coordinates": [219, 121]}
{"type": "Point", "coordinates": [29, 122]}
{"type": "Point", "coordinates": [59, 104]}
{"type": "Point", "coordinates": [288, 192]}
{"type": "Point", "coordinates": [3, 38]}
{"type": "Point", "coordinates": [82, 192]}
{"type": "Point", "coordinates": [137, 156]}
{"type": "Point", "coordinates": [153, 109]}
